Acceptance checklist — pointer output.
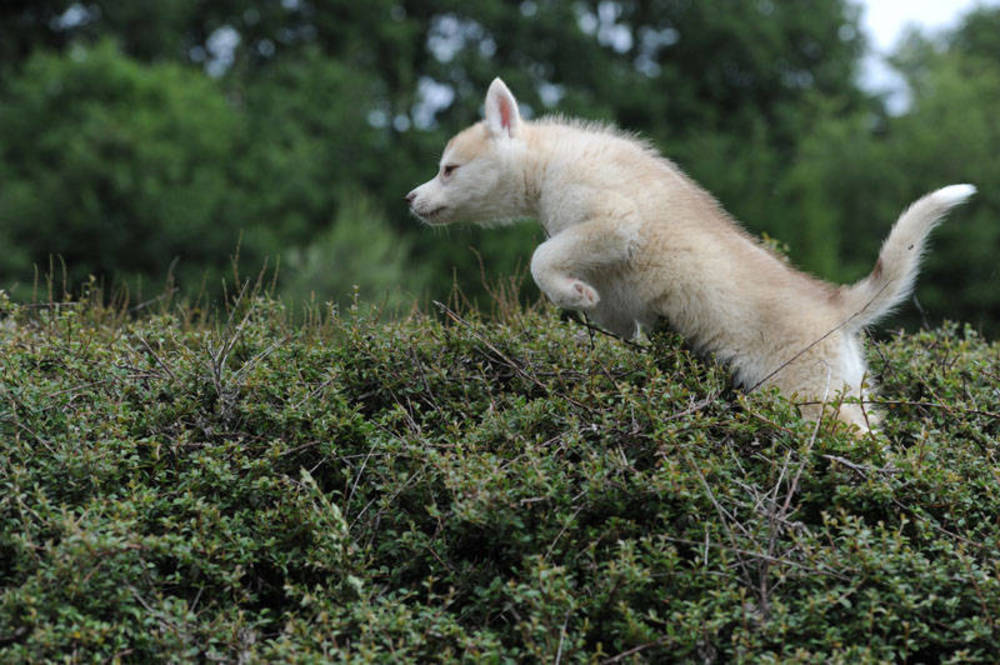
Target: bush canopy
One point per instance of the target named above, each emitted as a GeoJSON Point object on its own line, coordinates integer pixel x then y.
{"type": "Point", "coordinates": [458, 488]}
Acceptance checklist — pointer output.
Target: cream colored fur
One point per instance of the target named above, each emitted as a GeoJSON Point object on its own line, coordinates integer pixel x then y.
{"type": "Point", "coordinates": [632, 240]}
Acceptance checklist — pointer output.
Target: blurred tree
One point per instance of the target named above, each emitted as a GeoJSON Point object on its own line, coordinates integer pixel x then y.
{"type": "Point", "coordinates": [952, 135]}
{"type": "Point", "coordinates": [358, 254]}
{"type": "Point", "coordinates": [116, 167]}
{"type": "Point", "coordinates": [856, 173]}
{"type": "Point", "coordinates": [978, 34]}
{"type": "Point", "coordinates": [310, 142]}
{"type": "Point", "coordinates": [26, 25]}
{"type": "Point", "coordinates": [666, 68]}
{"type": "Point", "coordinates": [298, 107]}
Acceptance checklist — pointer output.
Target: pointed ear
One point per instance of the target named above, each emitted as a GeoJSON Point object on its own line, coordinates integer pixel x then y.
{"type": "Point", "coordinates": [502, 116]}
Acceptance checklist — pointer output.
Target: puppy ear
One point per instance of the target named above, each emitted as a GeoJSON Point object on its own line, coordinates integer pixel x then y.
{"type": "Point", "coordinates": [502, 116]}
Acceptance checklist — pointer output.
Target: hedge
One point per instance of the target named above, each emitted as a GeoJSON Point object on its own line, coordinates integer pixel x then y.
{"type": "Point", "coordinates": [485, 488]}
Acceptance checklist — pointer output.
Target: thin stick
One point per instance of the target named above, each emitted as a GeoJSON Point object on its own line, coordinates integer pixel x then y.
{"type": "Point", "coordinates": [814, 343]}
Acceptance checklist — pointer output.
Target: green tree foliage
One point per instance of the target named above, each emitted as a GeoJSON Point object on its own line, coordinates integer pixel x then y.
{"type": "Point", "coordinates": [757, 100]}
{"type": "Point", "coordinates": [855, 173]}
{"type": "Point", "coordinates": [313, 141]}
{"type": "Point", "coordinates": [333, 92]}
{"type": "Point", "coordinates": [123, 169]}
{"type": "Point", "coordinates": [118, 168]}
{"type": "Point", "coordinates": [978, 34]}
{"type": "Point", "coordinates": [358, 258]}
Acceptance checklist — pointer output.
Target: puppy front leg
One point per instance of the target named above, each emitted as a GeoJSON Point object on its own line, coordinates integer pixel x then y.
{"type": "Point", "coordinates": [561, 264]}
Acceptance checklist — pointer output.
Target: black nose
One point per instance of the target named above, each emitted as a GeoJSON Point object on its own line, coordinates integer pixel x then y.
{"type": "Point", "coordinates": [409, 197]}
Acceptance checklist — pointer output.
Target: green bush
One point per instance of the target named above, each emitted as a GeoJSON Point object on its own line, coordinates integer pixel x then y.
{"type": "Point", "coordinates": [358, 255]}
{"type": "Point", "coordinates": [449, 488]}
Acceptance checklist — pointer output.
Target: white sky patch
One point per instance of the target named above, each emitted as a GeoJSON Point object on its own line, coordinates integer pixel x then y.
{"type": "Point", "coordinates": [884, 21]}
{"type": "Point", "coordinates": [75, 16]}
{"type": "Point", "coordinates": [651, 41]}
{"type": "Point", "coordinates": [604, 24]}
{"type": "Point", "coordinates": [432, 97]}
{"type": "Point", "coordinates": [378, 118]}
{"type": "Point", "coordinates": [449, 34]}
{"type": "Point", "coordinates": [221, 46]}
{"type": "Point", "coordinates": [551, 93]}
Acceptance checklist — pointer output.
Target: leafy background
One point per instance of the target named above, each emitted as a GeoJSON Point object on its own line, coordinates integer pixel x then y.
{"type": "Point", "coordinates": [141, 142]}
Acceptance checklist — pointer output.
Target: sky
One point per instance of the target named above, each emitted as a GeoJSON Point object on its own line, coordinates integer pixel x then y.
{"type": "Point", "coordinates": [884, 22]}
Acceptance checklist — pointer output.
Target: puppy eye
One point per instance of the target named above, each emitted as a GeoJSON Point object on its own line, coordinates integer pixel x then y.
{"type": "Point", "coordinates": [448, 169]}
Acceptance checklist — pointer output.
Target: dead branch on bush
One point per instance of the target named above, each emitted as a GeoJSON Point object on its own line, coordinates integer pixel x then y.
{"type": "Point", "coordinates": [775, 510]}
{"type": "Point", "coordinates": [634, 650]}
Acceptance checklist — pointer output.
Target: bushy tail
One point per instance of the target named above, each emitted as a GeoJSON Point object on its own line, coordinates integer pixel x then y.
{"type": "Point", "coordinates": [899, 259]}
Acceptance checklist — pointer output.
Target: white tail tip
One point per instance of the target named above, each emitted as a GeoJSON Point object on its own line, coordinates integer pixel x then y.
{"type": "Point", "coordinates": [954, 194]}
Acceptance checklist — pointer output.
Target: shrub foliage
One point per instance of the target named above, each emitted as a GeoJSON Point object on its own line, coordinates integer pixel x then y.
{"type": "Point", "coordinates": [457, 488]}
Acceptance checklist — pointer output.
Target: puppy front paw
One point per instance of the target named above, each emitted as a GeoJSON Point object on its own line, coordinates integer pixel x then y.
{"type": "Point", "coordinates": [586, 295]}
{"type": "Point", "coordinates": [575, 294]}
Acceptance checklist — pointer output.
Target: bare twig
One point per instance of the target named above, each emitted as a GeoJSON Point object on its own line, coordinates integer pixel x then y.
{"type": "Point", "coordinates": [817, 341]}
{"type": "Point", "coordinates": [952, 409]}
{"type": "Point", "coordinates": [759, 555]}
{"type": "Point", "coordinates": [585, 322]}
{"type": "Point", "coordinates": [561, 532]}
{"type": "Point", "coordinates": [725, 516]}
{"type": "Point", "coordinates": [315, 391]}
{"type": "Point", "coordinates": [634, 650]}
{"type": "Point", "coordinates": [562, 638]}
{"type": "Point", "coordinates": [159, 360]}
{"type": "Point", "coordinates": [861, 469]}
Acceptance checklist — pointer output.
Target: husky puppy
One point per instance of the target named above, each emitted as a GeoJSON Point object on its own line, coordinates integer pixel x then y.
{"type": "Point", "coordinates": [632, 239]}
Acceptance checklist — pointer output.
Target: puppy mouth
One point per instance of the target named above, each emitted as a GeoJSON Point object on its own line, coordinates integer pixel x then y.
{"type": "Point", "coordinates": [430, 214]}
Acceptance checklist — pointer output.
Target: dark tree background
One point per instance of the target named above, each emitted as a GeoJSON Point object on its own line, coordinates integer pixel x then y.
{"type": "Point", "coordinates": [142, 138]}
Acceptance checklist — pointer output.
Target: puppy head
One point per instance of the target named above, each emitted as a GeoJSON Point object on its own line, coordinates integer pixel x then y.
{"type": "Point", "coordinates": [477, 176]}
